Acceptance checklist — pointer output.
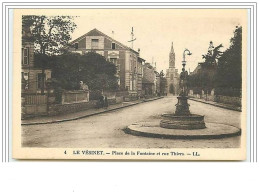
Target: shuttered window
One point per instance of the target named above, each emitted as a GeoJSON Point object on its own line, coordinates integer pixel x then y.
{"type": "Point", "coordinates": [25, 56]}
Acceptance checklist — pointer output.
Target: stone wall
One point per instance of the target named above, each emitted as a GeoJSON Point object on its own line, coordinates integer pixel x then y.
{"type": "Point", "coordinates": [56, 109]}
{"type": "Point", "coordinates": [236, 101]}
{"type": "Point", "coordinates": [119, 99]}
{"type": "Point", "coordinates": [75, 96]}
{"type": "Point", "coordinates": [208, 97]}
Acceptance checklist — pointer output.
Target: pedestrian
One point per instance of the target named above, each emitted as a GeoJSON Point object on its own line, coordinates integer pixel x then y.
{"type": "Point", "coordinates": [106, 102]}
{"type": "Point", "coordinates": [101, 102]}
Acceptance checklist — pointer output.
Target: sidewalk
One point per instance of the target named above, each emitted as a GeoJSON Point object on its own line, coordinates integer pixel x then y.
{"type": "Point", "coordinates": [82, 114]}
{"type": "Point", "coordinates": [226, 106]}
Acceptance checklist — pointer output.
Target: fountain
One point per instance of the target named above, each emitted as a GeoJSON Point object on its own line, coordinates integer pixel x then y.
{"type": "Point", "coordinates": [182, 124]}
{"type": "Point", "coordinates": [182, 118]}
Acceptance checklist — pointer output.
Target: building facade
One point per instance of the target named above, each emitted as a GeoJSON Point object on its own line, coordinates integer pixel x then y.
{"type": "Point", "coordinates": [127, 60]}
{"type": "Point", "coordinates": [172, 75]}
{"type": "Point", "coordinates": [31, 75]}
{"type": "Point", "coordinates": [149, 80]}
{"type": "Point", "coordinates": [158, 83]}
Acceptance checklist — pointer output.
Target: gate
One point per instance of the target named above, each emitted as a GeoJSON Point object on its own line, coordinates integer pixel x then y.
{"type": "Point", "coordinates": [35, 104]}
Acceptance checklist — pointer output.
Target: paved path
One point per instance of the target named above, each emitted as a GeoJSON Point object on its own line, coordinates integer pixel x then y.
{"type": "Point", "coordinates": [105, 130]}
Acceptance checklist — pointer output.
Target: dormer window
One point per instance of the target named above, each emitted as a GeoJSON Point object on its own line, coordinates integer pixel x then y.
{"type": "Point", "coordinates": [76, 45]}
{"type": "Point", "coordinates": [95, 44]}
{"type": "Point", "coordinates": [113, 46]}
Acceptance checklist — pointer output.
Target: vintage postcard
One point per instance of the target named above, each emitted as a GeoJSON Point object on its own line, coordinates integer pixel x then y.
{"type": "Point", "coordinates": [130, 84]}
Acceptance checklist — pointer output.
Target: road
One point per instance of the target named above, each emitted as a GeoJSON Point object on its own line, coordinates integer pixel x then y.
{"type": "Point", "coordinates": [105, 130]}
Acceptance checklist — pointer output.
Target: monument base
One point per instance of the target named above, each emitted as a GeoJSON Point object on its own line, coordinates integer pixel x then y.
{"type": "Point", "coordinates": [182, 106]}
{"type": "Point", "coordinates": [187, 122]}
{"type": "Point", "coordinates": [212, 131]}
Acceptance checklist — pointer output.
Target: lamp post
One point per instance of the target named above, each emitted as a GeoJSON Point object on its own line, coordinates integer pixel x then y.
{"type": "Point", "coordinates": [182, 107]}
{"type": "Point", "coordinates": [188, 53]}
{"type": "Point", "coordinates": [184, 75]}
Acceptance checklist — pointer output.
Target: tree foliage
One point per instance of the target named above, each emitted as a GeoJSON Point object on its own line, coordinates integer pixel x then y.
{"type": "Point", "coordinates": [229, 72]}
{"type": "Point", "coordinates": [171, 89]}
{"type": "Point", "coordinates": [49, 33]}
{"type": "Point", "coordinates": [221, 70]}
{"type": "Point", "coordinates": [68, 69]}
{"type": "Point", "coordinates": [204, 79]}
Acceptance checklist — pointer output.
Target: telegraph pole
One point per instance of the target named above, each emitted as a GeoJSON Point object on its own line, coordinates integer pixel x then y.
{"type": "Point", "coordinates": [132, 38]}
{"type": "Point", "coordinates": [133, 72]}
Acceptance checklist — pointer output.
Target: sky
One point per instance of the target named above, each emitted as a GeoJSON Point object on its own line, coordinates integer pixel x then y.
{"type": "Point", "coordinates": [156, 29]}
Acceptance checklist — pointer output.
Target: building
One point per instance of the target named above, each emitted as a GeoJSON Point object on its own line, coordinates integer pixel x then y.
{"type": "Point", "coordinates": [158, 83]}
{"type": "Point", "coordinates": [172, 75]}
{"type": "Point", "coordinates": [31, 75]}
{"type": "Point", "coordinates": [149, 80]}
{"type": "Point", "coordinates": [34, 103]}
{"type": "Point", "coordinates": [197, 69]}
{"type": "Point", "coordinates": [127, 60]}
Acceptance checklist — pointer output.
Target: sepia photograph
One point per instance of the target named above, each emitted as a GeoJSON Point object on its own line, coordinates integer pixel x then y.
{"type": "Point", "coordinates": [138, 84]}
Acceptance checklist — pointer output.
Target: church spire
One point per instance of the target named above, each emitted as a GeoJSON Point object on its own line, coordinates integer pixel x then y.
{"type": "Point", "coordinates": [172, 57]}
{"type": "Point", "coordinates": [172, 48]}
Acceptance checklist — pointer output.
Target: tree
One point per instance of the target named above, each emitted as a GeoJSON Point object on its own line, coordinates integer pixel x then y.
{"type": "Point", "coordinates": [171, 89]}
{"type": "Point", "coordinates": [212, 56]}
{"type": "Point", "coordinates": [91, 68]}
{"type": "Point", "coordinates": [50, 35]}
{"type": "Point", "coordinates": [163, 82]}
{"type": "Point", "coordinates": [229, 73]}
{"type": "Point", "coordinates": [209, 67]}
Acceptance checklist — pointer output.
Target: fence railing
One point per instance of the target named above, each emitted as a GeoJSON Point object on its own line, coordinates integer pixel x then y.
{"type": "Point", "coordinates": [35, 99]}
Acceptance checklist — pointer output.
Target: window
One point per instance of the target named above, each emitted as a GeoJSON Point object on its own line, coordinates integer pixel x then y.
{"type": "Point", "coordinates": [113, 46]}
{"type": "Point", "coordinates": [76, 45]}
{"type": "Point", "coordinates": [40, 78]}
{"type": "Point", "coordinates": [95, 44]}
{"type": "Point", "coordinates": [25, 56]}
{"type": "Point", "coordinates": [113, 60]}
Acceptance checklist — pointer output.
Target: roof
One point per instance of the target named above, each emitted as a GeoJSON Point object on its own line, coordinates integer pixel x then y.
{"type": "Point", "coordinates": [96, 32]}
{"type": "Point", "coordinates": [141, 59]}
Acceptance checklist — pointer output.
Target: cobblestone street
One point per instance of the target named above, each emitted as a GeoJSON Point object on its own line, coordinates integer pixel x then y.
{"type": "Point", "coordinates": [105, 130]}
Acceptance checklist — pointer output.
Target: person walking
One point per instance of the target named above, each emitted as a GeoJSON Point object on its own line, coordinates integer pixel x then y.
{"type": "Point", "coordinates": [101, 101]}
{"type": "Point", "coordinates": [106, 102]}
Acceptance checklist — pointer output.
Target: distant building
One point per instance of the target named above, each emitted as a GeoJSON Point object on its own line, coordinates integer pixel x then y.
{"type": "Point", "coordinates": [149, 79]}
{"type": "Point", "coordinates": [172, 75]}
{"type": "Point", "coordinates": [31, 76]}
{"type": "Point", "coordinates": [197, 69]}
{"type": "Point", "coordinates": [158, 83]}
{"type": "Point", "coordinates": [127, 60]}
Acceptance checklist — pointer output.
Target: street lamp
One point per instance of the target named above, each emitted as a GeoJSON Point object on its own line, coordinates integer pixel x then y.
{"type": "Point", "coordinates": [184, 75]}
{"type": "Point", "coordinates": [188, 53]}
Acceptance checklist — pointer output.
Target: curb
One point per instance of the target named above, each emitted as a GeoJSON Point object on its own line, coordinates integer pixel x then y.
{"type": "Point", "coordinates": [164, 136]}
{"type": "Point", "coordinates": [88, 115]}
{"type": "Point", "coordinates": [217, 105]}
{"type": "Point", "coordinates": [137, 131]}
